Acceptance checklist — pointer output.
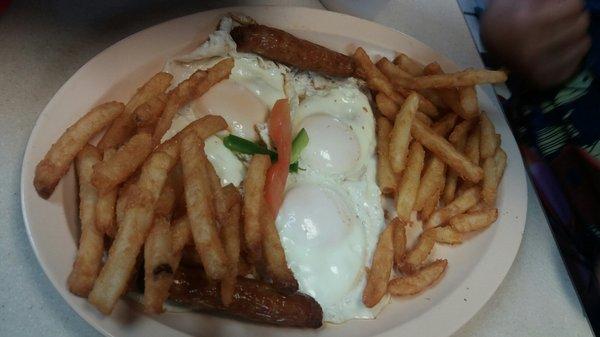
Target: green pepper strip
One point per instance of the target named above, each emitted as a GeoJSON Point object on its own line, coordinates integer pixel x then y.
{"type": "Point", "coordinates": [241, 145]}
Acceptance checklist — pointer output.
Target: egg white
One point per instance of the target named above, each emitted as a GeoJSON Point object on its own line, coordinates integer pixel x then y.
{"type": "Point", "coordinates": [331, 216]}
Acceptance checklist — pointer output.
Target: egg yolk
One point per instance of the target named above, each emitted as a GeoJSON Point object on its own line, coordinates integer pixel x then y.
{"type": "Point", "coordinates": [241, 108]}
{"type": "Point", "coordinates": [333, 145]}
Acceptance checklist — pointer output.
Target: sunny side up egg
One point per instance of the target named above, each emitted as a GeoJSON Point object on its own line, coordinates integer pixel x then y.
{"type": "Point", "coordinates": [331, 215]}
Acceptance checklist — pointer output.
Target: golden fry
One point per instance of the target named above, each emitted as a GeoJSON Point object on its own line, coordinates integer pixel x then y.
{"type": "Point", "coordinates": [201, 213]}
{"type": "Point", "coordinates": [446, 152]}
{"type": "Point", "coordinates": [488, 141]}
{"type": "Point", "coordinates": [433, 174]}
{"type": "Point", "coordinates": [421, 280]}
{"type": "Point", "coordinates": [400, 135]}
{"type": "Point", "coordinates": [195, 86]}
{"type": "Point", "coordinates": [254, 185]}
{"type": "Point", "coordinates": [472, 146]}
{"type": "Point", "coordinates": [386, 106]}
{"type": "Point", "coordinates": [493, 169]}
{"type": "Point", "coordinates": [460, 205]}
{"type": "Point", "coordinates": [444, 234]}
{"type": "Point", "coordinates": [274, 256]}
{"type": "Point", "coordinates": [203, 128]}
{"type": "Point", "coordinates": [375, 79]}
{"type": "Point", "coordinates": [105, 207]}
{"type": "Point", "coordinates": [57, 160]}
{"type": "Point", "coordinates": [123, 127]}
{"type": "Point", "coordinates": [468, 101]}
{"type": "Point", "coordinates": [432, 202]}
{"type": "Point", "coordinates": [408, 186]}
{"type": "Point", "coordinates": [132, 232]}
{"type": "Point", "coordinates": [398, 78]}
{"type": "Point", "coordinates": [177, 98]}
{"type": "Point", "coordinates": [158, 252]}
{"type": "Point", "coordinates": [146, 115]}
{"type": "Point", "coordinates": [474, 221]}
{"type": "Point", "coordinates": [128, 158]}
{"type": "Point", "coordinates": [230, 234]}
{"type": "Point", "coordinates": [449, 96]}
{"type": "Point", "coordinates": [381, 268]}
{"type": "Point", "coordinates": [465, 78]}
{"type": "Point", "coordinates": [409, 65]}
{"type": "Point", "coordinates": [91, 243]}
{"type": "Point", "coordinates": [418, 254]}
{"type": "Point", "coordinates": [386, 178]}
{"type": "Point", "coordinates": [399, 240]}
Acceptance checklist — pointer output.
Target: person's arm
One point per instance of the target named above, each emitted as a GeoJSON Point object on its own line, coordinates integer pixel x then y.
{"type": "Point", "coordinates": [542, 41]}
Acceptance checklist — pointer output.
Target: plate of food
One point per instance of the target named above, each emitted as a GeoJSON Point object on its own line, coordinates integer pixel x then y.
{"type": "Point", "coordinates": [265, 170]}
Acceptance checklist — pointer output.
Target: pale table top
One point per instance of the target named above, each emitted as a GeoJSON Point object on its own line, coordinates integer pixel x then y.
{"type": "Point", "coordinates": [39, 51]}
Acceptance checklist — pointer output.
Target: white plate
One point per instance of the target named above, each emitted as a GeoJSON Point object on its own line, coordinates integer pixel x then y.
{"type": "Point", "coordinates": [476, 267]}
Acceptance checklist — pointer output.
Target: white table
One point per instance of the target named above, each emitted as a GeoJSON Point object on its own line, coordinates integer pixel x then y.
{"type": "Point", "coordinates": [39, 52]}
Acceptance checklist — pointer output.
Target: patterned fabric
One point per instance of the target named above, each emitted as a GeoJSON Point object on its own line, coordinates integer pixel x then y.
{"type": "Point", "coordinates": [558, 135]}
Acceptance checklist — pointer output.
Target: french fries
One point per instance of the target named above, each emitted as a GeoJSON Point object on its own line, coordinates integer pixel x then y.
{"type": "Point", "coordinates": [201, 213]}
{"type": "Point", "coordinates": [399, 240]}
{"type": "Point", "coordinates": [91, 243]}
{"type": "Point", "coordinates": [386, 106]}
{"type": "Point", "coordinates": [449, 96]}
{"type": "Point", "coordinates": [444, 234]}
{"type": "Point", "coordinates": [465, 78]}
{"type": "Point", "coordinates": [105, 207]}
{"type": "Point", "coordinates": [432, 181]}
{"type": "Point", "coordinates": [418, 254]}
{"type": "Point", "coordinates": [137, 222]}
{"type": "Point", "coordinates": [493, 169]}
{"type": "Point", "coordinates": [398, 78]}
{"type": "Point", "coordinates": [57, 160]}
{"type": "Point", "coordinates": [386, 179]}
{"type": "Point", "coordinates": [446, 152]}
{"type": "Point", "coordinates": [472, 147]}
{"type": "Point", "coordinates": [460, 205]}
{"type": "Point", "coordinates": [375, 79]}
{"type": "Point", "coordinates": [273, 254]}
{"type": "Point", "coordinates": [381, 268]}
{"type": "Point", "coordinates": [195, 86]}
{"type": "Point", "coordinates": [408, 186]}
{"type": "Point", "coordinates": [254, 185]}
{"type": "Point", "coordinates": [230, 235]}
{"type": "Point", "coordinates": [468, 101]}
{"type": "Point", "coordinates": [409, 65]}
{"type": "Point", "coordinates": [177, 98]}
{"type": "Point", "coordinates": [488, 141]}
{"type": "Point", "coordinates": [123, 127]}
{"type": "Point", "coordinates": [474, 221]}
{"type": "Point", "coordinates": [112, 172]}
{"type": "Point", "coordinates": [419, 281]}
{"type": "Point", "coordinates": [142, 183]}
{"type": "Point", "coordinates": [458, 138]}
{"type": "Point", "coordinates": [146, 115]}
{"type": "Point", "coordinates": [158, 263]}
{"type": "Point", "coordinates": [400, 135]}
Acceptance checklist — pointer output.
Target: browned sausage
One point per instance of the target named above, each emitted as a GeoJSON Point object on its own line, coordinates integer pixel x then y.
{"type": "Point", "coordinates": [284, 47]}
{"type": "Point", "coordinates": [252, 300]}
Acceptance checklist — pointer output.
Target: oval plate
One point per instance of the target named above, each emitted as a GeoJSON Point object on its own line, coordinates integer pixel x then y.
{"type": "Point", "coordinates": [476, 268]}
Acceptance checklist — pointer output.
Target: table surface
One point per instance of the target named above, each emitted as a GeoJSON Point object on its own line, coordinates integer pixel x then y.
{"type": "Point", "coordinates": [43, 45]}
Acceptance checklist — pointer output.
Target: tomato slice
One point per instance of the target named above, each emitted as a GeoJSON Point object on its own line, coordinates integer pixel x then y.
{"type": "Point", "coordinates": [280, 130]}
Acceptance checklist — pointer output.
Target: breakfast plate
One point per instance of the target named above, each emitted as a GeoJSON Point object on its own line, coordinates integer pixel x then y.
{"type": "Point", "coordinates": [477, 267]}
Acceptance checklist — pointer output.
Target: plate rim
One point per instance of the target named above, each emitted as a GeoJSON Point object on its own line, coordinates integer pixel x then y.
{"type": "Point", "coordinates": [447, 329]}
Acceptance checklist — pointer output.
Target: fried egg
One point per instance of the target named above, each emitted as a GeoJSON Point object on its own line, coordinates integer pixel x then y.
{"type": "Point", "coordinates": [331, 214]}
